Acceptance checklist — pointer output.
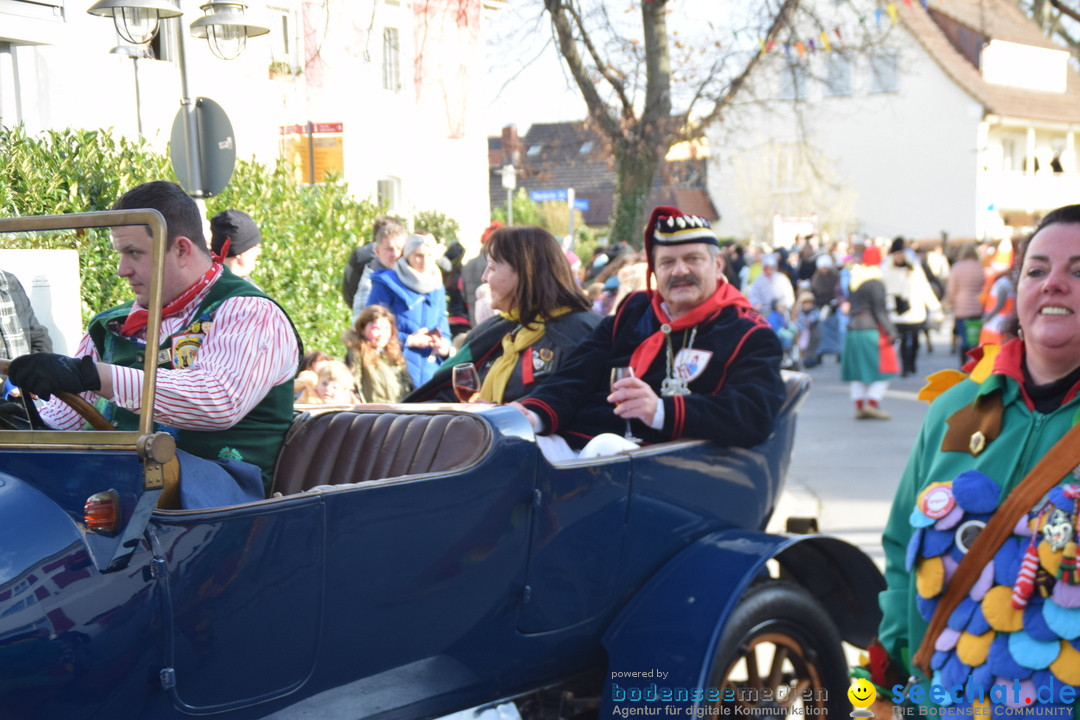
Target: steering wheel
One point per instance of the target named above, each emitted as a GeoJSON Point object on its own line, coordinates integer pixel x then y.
{"type": "Point", "coordinates": [86, 411]}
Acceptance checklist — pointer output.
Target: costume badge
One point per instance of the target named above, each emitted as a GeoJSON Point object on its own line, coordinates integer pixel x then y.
{"type": "Point", "coordinates": [542, 360]}
{"type": "Point", "coordinates": [184, 349]}
{"type": "Point", "coordinates": [1058, 529]}
{"type": "Point", "coordinates": [689, 364]}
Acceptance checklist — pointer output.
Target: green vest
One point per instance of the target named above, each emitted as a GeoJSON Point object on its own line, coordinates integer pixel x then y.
{"type": "Point", "coordinates": [256, 438]}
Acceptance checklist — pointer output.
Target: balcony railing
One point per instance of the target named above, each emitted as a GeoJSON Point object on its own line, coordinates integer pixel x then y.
{"type": "Point", "coordinates": [1020, 191]}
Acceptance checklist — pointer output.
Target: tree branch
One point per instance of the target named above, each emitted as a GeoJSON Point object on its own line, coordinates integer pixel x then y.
{"type": "Point", "coordinates": [598, 110]}
{"type": "Point", "coordinates": [778, 22]}
{"type": "Point", "coordinates": [603, 68]}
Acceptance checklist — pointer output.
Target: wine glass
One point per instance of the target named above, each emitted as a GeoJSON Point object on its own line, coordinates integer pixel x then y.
{"type": "Point", "coordinates": [618, 373]}
{"type": "Point", "coordinates": [466, 382]}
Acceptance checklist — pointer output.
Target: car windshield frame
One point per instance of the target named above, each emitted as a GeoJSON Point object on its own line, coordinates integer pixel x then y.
{"type": "Point", "coordinates": [86, 439]}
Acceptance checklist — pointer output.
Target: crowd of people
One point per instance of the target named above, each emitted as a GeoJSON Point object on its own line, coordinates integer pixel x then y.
{"type": "Point", "coordinates": [981, 543]}
{"type": "Point", "coordinates": [537, 324]}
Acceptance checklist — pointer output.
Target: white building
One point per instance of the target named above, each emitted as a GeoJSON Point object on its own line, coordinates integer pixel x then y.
{"type": "Point", "coordinates": [391, 79]}
{"type": "Point", "coordinates": [959, 118]}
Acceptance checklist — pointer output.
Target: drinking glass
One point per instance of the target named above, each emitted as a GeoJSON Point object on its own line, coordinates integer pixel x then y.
{"type": "Point", "coordinates": [466, 382]}
{"type": "Point", "coordinates": [617, 374]}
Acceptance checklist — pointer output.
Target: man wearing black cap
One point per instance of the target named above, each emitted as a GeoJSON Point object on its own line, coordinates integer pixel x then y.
{"type": "Point", "coordinates": [243, 237]}
{"type": "Point", "coordinates": [705, 364]}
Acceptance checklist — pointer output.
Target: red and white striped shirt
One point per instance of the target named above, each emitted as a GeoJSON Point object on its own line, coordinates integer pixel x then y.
{"type": "Point", "coordinates": [248, 349]}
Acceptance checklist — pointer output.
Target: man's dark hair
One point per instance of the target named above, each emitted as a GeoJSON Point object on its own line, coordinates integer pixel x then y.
{"type": "Point", "coordinates": [545, 279]}
{"type": "Point", "coordinates": [181, 213]}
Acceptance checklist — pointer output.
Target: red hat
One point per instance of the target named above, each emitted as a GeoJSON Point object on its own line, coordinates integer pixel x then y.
{"type": "Point", "coordinates": [871, 255]}
{"type": "Point", "coordinates": [488, 230]}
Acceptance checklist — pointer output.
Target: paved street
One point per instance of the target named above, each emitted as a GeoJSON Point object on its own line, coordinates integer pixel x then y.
{"type": "Point", "coordinates": [845, 471]}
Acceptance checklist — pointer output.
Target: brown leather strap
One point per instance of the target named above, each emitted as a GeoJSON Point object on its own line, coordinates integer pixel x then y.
{"type": "Point", "coordinates": [1048, 472]}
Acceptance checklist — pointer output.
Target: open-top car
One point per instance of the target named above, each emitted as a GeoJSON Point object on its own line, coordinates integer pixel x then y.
{"type": "Point", "coordinates": [413, 561]}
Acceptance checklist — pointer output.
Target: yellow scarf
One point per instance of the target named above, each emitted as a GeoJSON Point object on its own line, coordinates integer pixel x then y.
{"type": "Point", "coordinates": [513, 344]}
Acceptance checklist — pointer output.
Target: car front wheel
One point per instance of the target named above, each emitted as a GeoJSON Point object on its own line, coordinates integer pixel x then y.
{"type": "Point", "coordinates": [781, 651]}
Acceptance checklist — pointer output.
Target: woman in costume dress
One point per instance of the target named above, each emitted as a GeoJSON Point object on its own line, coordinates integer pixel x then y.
{"type": "Point", "coordinates": [1019, 624]}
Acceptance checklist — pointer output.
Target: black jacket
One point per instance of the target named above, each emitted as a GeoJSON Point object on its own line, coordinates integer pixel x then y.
{"type": "Point", "coordinates": [733, 401]}
{"type": "Point", "coordinates": [483, 346]}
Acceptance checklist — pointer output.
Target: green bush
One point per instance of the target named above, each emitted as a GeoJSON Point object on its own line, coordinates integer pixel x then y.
{"type": "Point", "coordinates": [443, 227]}
{"type": "Point", "coordinates": [308, 231]}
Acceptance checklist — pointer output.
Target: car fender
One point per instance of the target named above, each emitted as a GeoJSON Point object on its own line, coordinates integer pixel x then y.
{"type": "Point", "coordinates": [667, 635]}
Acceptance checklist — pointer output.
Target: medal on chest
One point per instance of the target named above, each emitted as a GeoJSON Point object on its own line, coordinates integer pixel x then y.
{"type": "Point", "coordinates": [683, 367]}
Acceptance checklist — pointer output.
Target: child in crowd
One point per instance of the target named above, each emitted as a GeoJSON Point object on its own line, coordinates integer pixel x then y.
{"type": "Point", "coordinates": [786, 329]}
{"type": "Point", "coordinates": [307, 377]}
{"type": "Point", "coordinates": [807, 322]}
{"type": "Point", "coordinates": [374, 357]}
{"type": "Point", "coordinates": [336, 385]}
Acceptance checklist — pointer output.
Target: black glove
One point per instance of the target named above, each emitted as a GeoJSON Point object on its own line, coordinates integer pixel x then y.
{"type": "Point", "coordinates": [13, 416]}
{"type": "Point", "coordinates": [45, 373]}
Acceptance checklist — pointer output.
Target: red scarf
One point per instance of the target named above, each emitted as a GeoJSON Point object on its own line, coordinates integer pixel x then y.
{"type": "Point", "coordinates": [725, 296]}
{"type": "Point", "coordinates": [136, 320]}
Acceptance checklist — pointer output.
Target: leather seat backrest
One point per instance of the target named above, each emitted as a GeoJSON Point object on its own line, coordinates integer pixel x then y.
{"type": "Point", "coordinates": [351, 446]}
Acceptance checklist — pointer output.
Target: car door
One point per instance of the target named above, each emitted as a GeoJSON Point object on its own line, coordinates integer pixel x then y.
{"type": "Point", "coordinates": [579, 510]}
{"type": "Point", "coordinates": [243, 590]}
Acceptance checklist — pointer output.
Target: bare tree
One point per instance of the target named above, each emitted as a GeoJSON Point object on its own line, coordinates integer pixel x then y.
{"type": "Point", "coordinates": [1058, 19]}
{"type": "Point", "coordinates": [628, 84]}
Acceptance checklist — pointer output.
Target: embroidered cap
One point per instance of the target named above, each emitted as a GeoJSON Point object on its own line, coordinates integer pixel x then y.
{"type": "Point", "coordinates": [671, 226]}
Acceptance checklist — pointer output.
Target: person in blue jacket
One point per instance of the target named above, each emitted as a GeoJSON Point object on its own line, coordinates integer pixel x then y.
{"type": "Point", "coordinates": [413, 290]}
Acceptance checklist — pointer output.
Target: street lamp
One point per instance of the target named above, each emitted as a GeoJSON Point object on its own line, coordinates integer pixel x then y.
{"type": "Point", "coordinates": [136, 20]}
{"type": "Point", "coordinates": [224, 25]}
{"type": "Point", "coordinates": [135, 54]}
{"type": "Point", "coordinates": [226, 28]}
{"type": "Point", "coordinates": [509, 182]}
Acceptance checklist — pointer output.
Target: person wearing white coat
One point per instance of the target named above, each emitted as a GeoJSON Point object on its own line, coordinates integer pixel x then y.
{"type": "Point", "coordinates": [910, 298]}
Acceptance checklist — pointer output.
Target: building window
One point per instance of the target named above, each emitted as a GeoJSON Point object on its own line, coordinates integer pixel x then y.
{"type": "Point", "coordinates": [391, 69]}
{"type": "Point", "coordinates": [163, 45]}
{"type": "Point", "coordinates": [534, 150]}
{"type": "Point", "coordinates": [389, 193]}
{"type": "Point", "coordinates": [283, 41]}
{"type": "Point", "coordinates": [838, 75]}
{"type": "Point", "coordinates": [884, 74]}
{"type": "Point", "coordinates": [793, 81]}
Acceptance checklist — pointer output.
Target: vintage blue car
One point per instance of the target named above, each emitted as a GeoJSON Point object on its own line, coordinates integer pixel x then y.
{"type": "Point", "coordinates": [415, 561]}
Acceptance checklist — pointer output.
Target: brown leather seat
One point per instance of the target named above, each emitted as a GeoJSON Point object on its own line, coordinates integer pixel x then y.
{"type": "Point", "coordinates": [352, 446]}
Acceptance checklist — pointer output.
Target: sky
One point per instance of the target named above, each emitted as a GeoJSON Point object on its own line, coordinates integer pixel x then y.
{"type": "Point", "coordinates": [526, 82]}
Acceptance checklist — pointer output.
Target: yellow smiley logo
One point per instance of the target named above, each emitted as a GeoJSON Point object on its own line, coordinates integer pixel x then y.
{"type": "Point", "coordinates": [862, 693]}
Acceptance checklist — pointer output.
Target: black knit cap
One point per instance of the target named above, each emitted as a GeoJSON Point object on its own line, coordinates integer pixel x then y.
{"type": "Point", "coordinates": [237, 227]}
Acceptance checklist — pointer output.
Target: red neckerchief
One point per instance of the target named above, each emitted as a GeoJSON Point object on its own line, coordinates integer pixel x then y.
{"type": "Point", "coordinates": [1009, 362]}
{"type": "Point", "coordinates": [725, 296]}
{"type": "Point", "coordinates": [136, 320]}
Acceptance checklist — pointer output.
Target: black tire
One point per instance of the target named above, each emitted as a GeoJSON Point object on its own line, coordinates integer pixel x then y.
{"type": "Point", "coordinates": [805, 672]}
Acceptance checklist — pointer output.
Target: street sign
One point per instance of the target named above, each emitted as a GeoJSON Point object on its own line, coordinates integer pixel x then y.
{"type": "Point", "coordinates": [203, 131]}
{"type": "Point", "coordinates": [316, 150]}
{"type": "Point", "coordinates": [559, 195]}
{"type": "Point", "coordinates": [547, 195]}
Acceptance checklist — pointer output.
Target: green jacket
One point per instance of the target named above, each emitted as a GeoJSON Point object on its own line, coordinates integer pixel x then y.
{"type": "Point", "coordinates": [942, 452]}
{"type": "Point", "coordinates": [256, 438]}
